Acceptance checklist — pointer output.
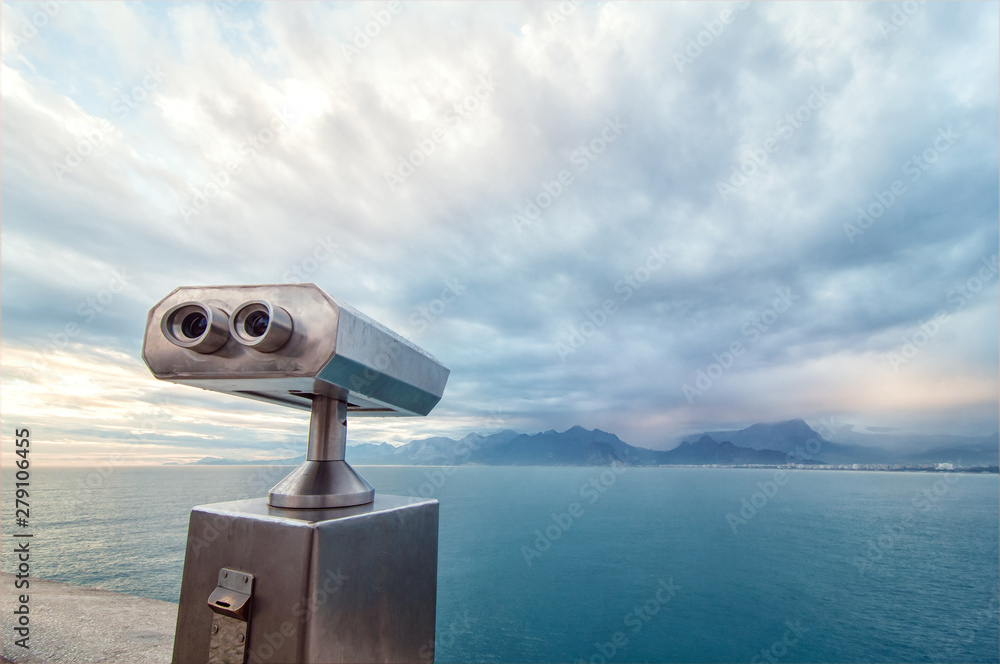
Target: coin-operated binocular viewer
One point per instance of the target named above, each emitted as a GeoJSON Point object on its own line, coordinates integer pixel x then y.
{"type": "Point", "coordinates": [323, 570]}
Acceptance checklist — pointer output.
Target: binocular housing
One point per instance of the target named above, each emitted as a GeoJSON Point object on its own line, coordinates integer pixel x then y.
{"type": "Point", "coordinates": [286, 344]}
{"type": "Point", "coordinates": [296, 346]}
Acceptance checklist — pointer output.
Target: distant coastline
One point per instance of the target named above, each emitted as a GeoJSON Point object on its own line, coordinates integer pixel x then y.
{"type": "Point", "coordinates": [784, 445]}
{"type": "Point", "coordinates": [972, 470]}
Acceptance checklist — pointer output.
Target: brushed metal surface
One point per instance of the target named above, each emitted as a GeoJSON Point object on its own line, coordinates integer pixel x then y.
{"type": "Point", "coordinates": [355, 584]}
{"type": "Point", "coordinates": [319, 485]}
{"type": "Point", "coordinates": [327, 430]}
{"type": "Point", "coordinates": [324, 479]}
{"type": "Point", "coordinates": [332, 350]}
{"type": "Point", "coordinates": [294, 345]}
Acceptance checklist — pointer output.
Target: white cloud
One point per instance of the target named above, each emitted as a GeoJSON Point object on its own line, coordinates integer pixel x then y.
{"type": "Point", "coordinates": [288, 142]}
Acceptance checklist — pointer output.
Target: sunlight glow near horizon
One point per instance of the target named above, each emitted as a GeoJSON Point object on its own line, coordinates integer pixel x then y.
{"type": "Point", "coordinates": [224, 75]}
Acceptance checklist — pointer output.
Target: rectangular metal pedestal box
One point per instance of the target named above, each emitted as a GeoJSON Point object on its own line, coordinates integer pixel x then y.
{"type": "Point", "coordinates": [353, 584]}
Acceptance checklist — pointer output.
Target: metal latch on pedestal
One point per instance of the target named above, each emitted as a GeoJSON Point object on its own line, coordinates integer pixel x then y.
{"type": "Point", "coordinates": [231, 602]}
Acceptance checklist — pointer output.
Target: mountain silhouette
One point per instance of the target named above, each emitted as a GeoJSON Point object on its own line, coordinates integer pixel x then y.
{"type": "Point", "coordinates": [779, 443]}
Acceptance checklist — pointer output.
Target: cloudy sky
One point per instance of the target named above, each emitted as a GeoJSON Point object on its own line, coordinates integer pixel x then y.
{"type": "Point", "coordinates": [653, 219]}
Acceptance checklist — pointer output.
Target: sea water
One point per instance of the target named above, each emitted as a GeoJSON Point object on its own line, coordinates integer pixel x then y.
{"type": "Point", "coordinates": [602, 565]}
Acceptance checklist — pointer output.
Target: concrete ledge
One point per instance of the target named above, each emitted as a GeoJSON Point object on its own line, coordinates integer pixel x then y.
{"type": "Point", "coordinates": [74, 624]}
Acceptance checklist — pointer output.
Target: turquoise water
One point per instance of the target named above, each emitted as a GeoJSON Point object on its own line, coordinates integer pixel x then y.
{"type": "Point", "coordinates": [584, 564]}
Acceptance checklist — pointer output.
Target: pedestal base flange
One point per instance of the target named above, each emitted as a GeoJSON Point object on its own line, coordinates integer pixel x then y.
{"type": "Point", "coordinates": [318, 485]}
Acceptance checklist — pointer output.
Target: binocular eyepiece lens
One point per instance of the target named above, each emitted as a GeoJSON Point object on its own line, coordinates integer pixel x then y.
{"type": "Point", "coordinates": [256, 323]}
{"type": "Point", "coordinates": [260, 325]}
{"type": "Point", "coordinates": [196, 326]}
{"type": "Point", "coordinates": [205, 329]}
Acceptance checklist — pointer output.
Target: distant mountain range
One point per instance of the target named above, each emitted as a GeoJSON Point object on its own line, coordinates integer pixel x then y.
{"type": "Point", "coordinates": [867, 448]}
{"type": "Point", "coordinates": [574, 447]}
{"type": "Point", "coordinates": [778, 443]}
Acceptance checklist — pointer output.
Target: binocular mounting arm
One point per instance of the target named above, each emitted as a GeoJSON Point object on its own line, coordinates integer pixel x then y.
{"type": "Point", "coordinates": [324, 479]}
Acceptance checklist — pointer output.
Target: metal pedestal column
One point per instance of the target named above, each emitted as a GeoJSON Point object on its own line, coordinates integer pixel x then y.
{"type": "Point", "coordinates": [324, 479]}
{"type": "Point", "coordinates": [323, 571]}
{"type": "Point", "coordinates": [355, 584]}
